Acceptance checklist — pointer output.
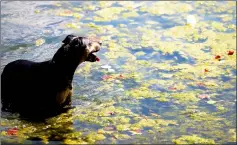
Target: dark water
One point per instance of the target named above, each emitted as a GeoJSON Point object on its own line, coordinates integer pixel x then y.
{"type": "Point", "coordinates": [165, 84]}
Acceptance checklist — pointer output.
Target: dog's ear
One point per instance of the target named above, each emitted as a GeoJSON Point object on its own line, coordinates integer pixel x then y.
{"type": "Point", "coordinates": [68, 39]}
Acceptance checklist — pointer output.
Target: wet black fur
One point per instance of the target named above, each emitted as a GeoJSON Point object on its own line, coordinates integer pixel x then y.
{"type": "Point", "coordinates": [30, 87]}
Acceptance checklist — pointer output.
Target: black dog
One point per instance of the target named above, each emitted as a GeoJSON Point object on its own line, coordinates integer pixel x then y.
{"type": "Point", "coordinates": [45, 88]}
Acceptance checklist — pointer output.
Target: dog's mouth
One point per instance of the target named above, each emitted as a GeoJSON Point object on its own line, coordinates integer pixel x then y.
{"type": "Point", "coordinates": [92, 57]}
{"type": "Point", "coordinates": [93, 47]}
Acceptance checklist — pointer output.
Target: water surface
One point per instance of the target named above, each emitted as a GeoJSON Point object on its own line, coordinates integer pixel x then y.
{"type": "Point", "coordinates": [160, 79]}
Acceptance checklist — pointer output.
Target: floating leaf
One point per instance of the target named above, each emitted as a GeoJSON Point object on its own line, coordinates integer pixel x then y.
{"type": "Point", "coordinates": [76, 15]}
{"type": "Point", "coordinates": [39, 42]}
{"type": "Point", "coordinates": [211, 102]}
{"type": "Point", "coordinates": [37, 11]}
{"type": "Point", "coordinates": [65, 13]}
{"type": "Point", "coordinates": [109, 128]}
{"type": "Point", "coordinates": [111, 70]}
{"type": "Point", "coordinates": [206, 70]}
{"type": "Point", "coordinates": [203, 96]}
{"type": "Point", "coordinates": [230, 52]}
{"type": "Point", "coordinates": [73, 25]}
{"type": "Point", "coordinates": [106, 66]}
{"type": "Point", "coordinates": [218, 57]}
{"type": "Point", "coordinates": [12, 131]}
{"type": "Point", "coordinates": [106, 77]}
{"type": "Point", "coordinates": [135, 132]}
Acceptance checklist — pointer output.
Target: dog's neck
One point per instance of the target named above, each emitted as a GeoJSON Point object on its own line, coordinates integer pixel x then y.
{"type": "Point", "coordinates": [66, 68]}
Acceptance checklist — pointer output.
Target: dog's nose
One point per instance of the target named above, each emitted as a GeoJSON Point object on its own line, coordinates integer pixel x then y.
{"type": "Point", "coordinates": [100, 42]}
{"type": "Point", "coordinates": [97, 48]}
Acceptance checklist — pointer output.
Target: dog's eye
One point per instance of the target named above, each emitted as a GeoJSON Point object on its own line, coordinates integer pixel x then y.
{"type": "Point", "coordinates": [90, 44]}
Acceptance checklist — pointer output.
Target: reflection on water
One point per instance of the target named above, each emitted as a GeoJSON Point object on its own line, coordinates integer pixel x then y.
{"type": "Point", "coordinates": [158, 80]}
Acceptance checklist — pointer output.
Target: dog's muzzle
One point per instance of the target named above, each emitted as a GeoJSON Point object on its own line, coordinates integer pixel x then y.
{"type": "Point", "coordinates": [93, 46]}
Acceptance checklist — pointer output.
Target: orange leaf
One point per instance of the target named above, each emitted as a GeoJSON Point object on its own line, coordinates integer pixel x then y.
{"type": "Point", "coordinates": [108, 128]}
{"type": "Point", "coordinates": [203, 96]}
{"type": "Point", "coordinates": [230, 52]}
{"type": "Point", "coordinates": [106, 77]}
{"type": "Point", "coordinates": [12, 131]}
{"type": "Point", "coordinates": [111, 113]}
{"type": "Point", "coordinates": [218, 57]}
{"type": "Point", "coordinates": [172, 88]}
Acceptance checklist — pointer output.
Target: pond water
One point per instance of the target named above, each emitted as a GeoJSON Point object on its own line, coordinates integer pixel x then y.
{"type": "Point", "coordinates": [167, 72]}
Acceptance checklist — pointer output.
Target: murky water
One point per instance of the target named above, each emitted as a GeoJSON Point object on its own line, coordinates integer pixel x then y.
{"type": "Point", "coordinates": [167, 72]}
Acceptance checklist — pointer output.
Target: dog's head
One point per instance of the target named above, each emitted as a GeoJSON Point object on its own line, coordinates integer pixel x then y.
{"type": "Point", "coordinates": [77, 49]}
{"type": "Point", "coordinates": [85, 45]}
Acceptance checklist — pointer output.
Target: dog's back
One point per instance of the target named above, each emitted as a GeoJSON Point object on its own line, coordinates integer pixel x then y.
{"type": "Point", "coordinates": [14, 74]}
{"type": "Point", "coordinates": [22, 80]}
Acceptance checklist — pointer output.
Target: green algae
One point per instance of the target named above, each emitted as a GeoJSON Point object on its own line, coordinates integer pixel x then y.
{"type": "Point", "coordinates": [150, 58]}
{"type": "Point", "coordinates": [93, 137]}
{"type": "Point", "coordinates": [232, 132]}
{"type": "Point", "coordinates": [142, 92]}
{"type": "Point", "coordinates": [86, 69]}
{"type": "Point", "coordinates": [159, 8]}
{"type": "Point", "coordinates": [203, 116]}
{"type": "Point", "coordinates": [129, 14]}
{"type": "Point", "coordinates": [193, 139]}
{"type": "Point", "coordinates": [140, 53]}
{"type": "Point", "coordinates": [185, 97]}
{"type": "Point", "coordinates": [101, 115]}
{"type": "Point", "coordinates": [104, 4]}
{"type": "Point", "coordinates": [163, 97]}
{"type": "Point", "coordinates": [221, 108]}
{"type": "Point", "coordinates": [121, 136]}
{"type": "Point", "coordinates": [218, 26]}
{"type": "Point", "coordinates": [123, 127]}
{"type": "Point", "coordinates": [108, 14]}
